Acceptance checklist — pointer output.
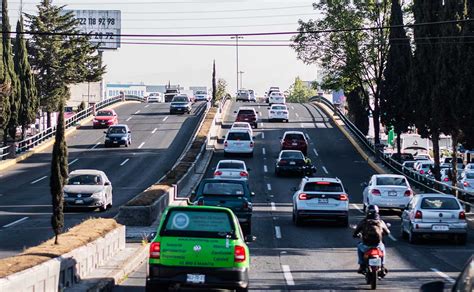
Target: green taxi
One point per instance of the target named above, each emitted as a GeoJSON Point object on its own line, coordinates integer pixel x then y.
{"type": "Point", "coordinates": [198, 246]}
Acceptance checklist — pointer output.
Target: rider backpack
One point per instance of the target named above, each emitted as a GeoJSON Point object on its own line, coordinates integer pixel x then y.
{"type": "Point", "coordinates": [372, 232]}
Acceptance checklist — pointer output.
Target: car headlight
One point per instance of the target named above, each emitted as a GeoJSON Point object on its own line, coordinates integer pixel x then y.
{"type": "Point", "coordinates": [97, 195]}
{"type": "Point", "coordinates": [124, 138]}
{"type": "Point", "coordinates": [107, 138]}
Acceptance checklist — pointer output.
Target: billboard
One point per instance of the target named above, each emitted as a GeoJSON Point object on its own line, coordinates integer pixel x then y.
{"type": "Point", "coordinates": [103, 25]}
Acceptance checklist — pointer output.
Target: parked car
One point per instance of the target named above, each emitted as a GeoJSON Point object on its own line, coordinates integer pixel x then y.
{"type": "Point", "coordinates": [88, 188]}
{"type": "Point", "coordinates": [320, 198]}
{"type": "Point", "coordinates": [243, 95]}
{"type": "Point", "coordinates": [294, 140]}
{"type": "Point", "coordinates": [387, 191]}
{"type": "Point", "coordinates": [202, 95]}
{"type": "Point", "coordinates": [402, 157]}
{"type": "Point", "coordinates": [241, 126]}
{"type": "Point", "coordinates": [247, 114]}
{"type": "Point", "coordinates": [276, 97]}
{"type": "Point", "coordinates": [278, 112]}
{"type": "Point", "coordinates": [231, 169]}
{"type": "Point", "coordinates": [105, 118]}
{"type": "Point", "coordinates": [238, 142]}
{"type": "Point", "coordinates": [118, 135]}
{"type": "Point", "coordinates": [199, 247]}
{"type": "Point", "coordinates": [180, 104]}
{"type": "Point", "coordinates": [293, 162]}
{"type": "Point", "coordinates": [434, 215]}
{"type": "Point", "coordinates": [155, 97]}
{"type": "Point", "coordinates": [423, 166]}
{"type": "Point", "coordinates": [229, 193]}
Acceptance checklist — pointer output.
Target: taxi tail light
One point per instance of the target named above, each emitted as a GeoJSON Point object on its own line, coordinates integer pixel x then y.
{"type": "Point", "coordinates": [408, 193]}
{"type": "Point", "coordinates": [217, 173]}
{"type": "Point", "coordinates": [419, 215]}
{"type": "Point", "coordinates": [155, 250]}
{"type": "Point", "coordinates": [466, 184]}
{"type": "Point", "coordinates": [446, 179]}
{"type": "Point", "coordinates": [244, 174]}
{"type": "Point", "coordinates": [343, 197]}
{"type": "Point", "coordinates": [422, 171]}
{"type": "Point", "coordinates": [462, 215]}
{"type": "Point", "coordinates": [375, 192]}
{"type": "Point", "coordinates": [303, 196]}
{"type": "Point", "coordinates": [239, 254]}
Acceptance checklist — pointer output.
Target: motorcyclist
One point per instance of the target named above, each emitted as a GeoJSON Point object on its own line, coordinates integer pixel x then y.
{"type": "Point", "coordinates": [370, 239]}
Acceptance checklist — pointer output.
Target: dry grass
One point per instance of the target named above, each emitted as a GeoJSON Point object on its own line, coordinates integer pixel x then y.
{"type": "Point", "coordinates": [149, 196]}
{"type": "Point", "coordinates": [77, 236]}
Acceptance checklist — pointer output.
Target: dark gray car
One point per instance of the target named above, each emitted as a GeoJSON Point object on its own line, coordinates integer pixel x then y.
{"type": "Point", "coordinates": [180, 104]}
{"type": "Point", "coordinates": [118, 135]}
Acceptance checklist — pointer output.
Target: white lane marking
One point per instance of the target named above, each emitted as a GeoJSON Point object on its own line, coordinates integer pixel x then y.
{"type": "Point", "coordinates": [154, 130]}
{"type": "Point", "coordinates": [15, 222]}
{"type": "Point", "coordinates": [321, 125]}
{"type": "Point", "coordinates": [277, 232]}
{"type": "Point", "coordinates": [357, 208]}
{"type": "Point", "coordinates": [125, 161]}
{"type": "Point", "coordinates": [264, 151]}
{"type": "Point", "coordinates": [141, 145]}
{"type": "Point", "coordinates": [95, 146]}
{"type": "Point", "coordinates": [147, 105]}
{"type": "Point", "coordinates": [165, 118]}
{"type": "Point", "coordinates": [269, 187]}
{"type": "Point", "coordinates": [292, 107]}
{"type": "Point", "coordinates": [315, 152]}
{"type": "Point", "coordinates": [392, 237]}
{"type": "Point", "coordinates": [307, 136]}
{"type": "Point", "coordinates": [287, 274]}
{"type": "Point", "coordinates": [301, 125]}
{"type": "Point", "coordinates": [325, 170]}
{"type": "Point", "coordinates": [138, 111]}
{"type": "Point", "coordinates": [128, 119]}
{"type": "Point", "coordinates": [265, 169]}
{"type": "Point", "coordinates": [260, 113]}
{"type": "Point", "coordinates": [263, 135]}
{"type": "Point", "coordinates": [296, 114]}
{"type": "Point", "coordinates": [273, 206]}
{"type": "Point", "coordinates": [38, 180]}
{"type": "Point", "coordinates": [446, 277]}
{"type": "Point", "coordinates": [74, 161]}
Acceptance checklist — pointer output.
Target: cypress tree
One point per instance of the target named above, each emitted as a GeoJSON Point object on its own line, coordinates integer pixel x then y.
{"type": "Point", "coordinates": [358, 110]}
{"type": "Point", "coordinates": [27, 88]}
{"type": "Point", "coordinates": [394, 99]}
{"type": "Point", "coordinates": [59, 175]}
{"type": "Point", "coordinates": [214, 86]}
{"type": "Point", "coordinates": [4, 89]}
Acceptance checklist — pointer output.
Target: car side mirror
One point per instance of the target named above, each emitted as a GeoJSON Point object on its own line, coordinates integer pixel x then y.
{"type": "Point", "coordinates": [268, 108]}
{"type": "Point", "coordinates": [436, 286]}
{"type": "Point", "coordinates": [252, 194]}
{"type": "Point", "coordinates": [250, 238]}
{"type": "Point", "coordinates": [235, 112]}
{"type": "Point", "coordinates": [107, 183]}
{"type": "Point", "coordinates": [105, 132]}
{"type": "Point", "coordinates": [364, 184]}
{"type": "Point", "coordinates": [223, 137]}
{"type": "Point", "coordinates": [193, 196]}
{"type": "Point", "coordinates": [294, 189]}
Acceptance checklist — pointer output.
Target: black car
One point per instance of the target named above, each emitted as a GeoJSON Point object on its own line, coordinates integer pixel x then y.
{"type": "Point", "coordinates": [232, 194]}
{"type": "Point", "coordinates": [180, 104]}
{"type": "Point", "coordinates": [402, 157]}
{"type": "Point", "coordinates": [293, 162]}
{"type": "Point", "coordinates": [118, 135]}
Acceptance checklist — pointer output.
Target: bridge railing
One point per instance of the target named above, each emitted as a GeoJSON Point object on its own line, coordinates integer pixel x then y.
{"type": "Point", "coordinates": [423, 182]}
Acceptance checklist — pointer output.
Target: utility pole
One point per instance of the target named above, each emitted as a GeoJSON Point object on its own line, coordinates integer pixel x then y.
{"type": "Point", "coordinates": [237, 37]}
{"type": "Point", "coordinates": [241, 72]}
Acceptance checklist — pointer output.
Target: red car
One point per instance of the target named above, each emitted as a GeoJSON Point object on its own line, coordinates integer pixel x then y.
{"type": "Point", "coordinates": [105, 118]}
{"type": "Point", "coordinates": [294, 140]}
{"type": "Point", "coordinates": [248, 115]}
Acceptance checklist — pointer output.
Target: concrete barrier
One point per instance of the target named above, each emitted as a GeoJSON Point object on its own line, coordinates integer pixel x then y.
{"type": "Point", "coordinates": [67, 270]}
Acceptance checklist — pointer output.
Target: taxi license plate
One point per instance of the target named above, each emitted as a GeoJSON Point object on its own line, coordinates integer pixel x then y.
{"type": "Point", "coordinates": [440, 228]}
{"type": "Point", "coordinates": [79, 202]}
{"type": "Point", "coordinates": [375, 262]}
{"type": "Point", "coordinates": [196, 279]}
{"type": "Point", "coordinates": [323, 200]}
{"type": "Point", "coordinates": [392, 193]}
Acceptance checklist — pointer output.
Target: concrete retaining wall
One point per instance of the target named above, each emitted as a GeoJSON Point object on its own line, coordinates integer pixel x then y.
{"type": "Point", "coordinates": [68, 269]}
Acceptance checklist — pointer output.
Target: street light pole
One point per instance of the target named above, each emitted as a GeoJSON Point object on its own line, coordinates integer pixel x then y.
{"type": "Point", "coordinates": [241, 72]}
{"type": "Point", "coordinates": [237, 37]}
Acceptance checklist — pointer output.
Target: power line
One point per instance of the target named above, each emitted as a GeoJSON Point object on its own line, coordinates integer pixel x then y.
{"type": "Point", "coordinates": [216, 18]}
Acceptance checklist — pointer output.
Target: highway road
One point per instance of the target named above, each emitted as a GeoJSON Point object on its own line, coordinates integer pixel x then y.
{"type": "Point", "coordinates": [322, 256]}
{"type": "Point", "coordinates": [158, 139]}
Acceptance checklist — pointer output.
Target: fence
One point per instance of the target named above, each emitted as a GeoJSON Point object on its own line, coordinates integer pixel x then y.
{"type": "Point", "coordinates": [422, 182]}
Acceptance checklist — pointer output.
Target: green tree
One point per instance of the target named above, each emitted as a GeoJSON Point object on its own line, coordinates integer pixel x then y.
{"type": "Point", "coordinates": [29, 102]}
{"type": "Point", "coordinates": [4, 90]}
{"type": "Point", "coordinates": [394, 100]}
{"type": "Point", "coordinates": [299, 92]}
{"type": "Point", "coordinates": [59, 175]}
{"type": "Point", "coordinates": [221, 88]}
{"type": "Point", "coordinates": [351, 58]}
{"type": "Point", "coordinates": [214, 86]}
{"type": "Point", "coordinates": [358, 110]}
{"type": "Point", "coordinates": [62, 58]}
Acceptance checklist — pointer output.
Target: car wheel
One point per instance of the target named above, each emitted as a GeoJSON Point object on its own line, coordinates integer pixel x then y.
{"type": "Point", "coordinates": [403, 233]}
{"type": "Point", "coordinates": [461, 239]}
{"type": "Point", "coordinates": [251, 154]}
{"type": "Point", "coordinates": [296, 219]}
{"type": "Point", "coordinates": [103, 208]}
{"type": "Point", "coordinates": [156, 287]}
{"type": "Point", "coordinates": [412, 237]}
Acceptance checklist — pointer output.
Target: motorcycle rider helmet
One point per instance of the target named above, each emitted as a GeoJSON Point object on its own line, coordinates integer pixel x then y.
{"type": "Point", "coordinates": [372, 212]}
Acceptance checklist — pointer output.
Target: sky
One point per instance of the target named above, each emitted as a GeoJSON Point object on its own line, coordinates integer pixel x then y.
{"type": "Point", "coordinates": [192, 65]}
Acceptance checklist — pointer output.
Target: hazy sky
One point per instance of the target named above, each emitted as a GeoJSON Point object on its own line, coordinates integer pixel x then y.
{"type": "Point", "coordinates": [192, 65]}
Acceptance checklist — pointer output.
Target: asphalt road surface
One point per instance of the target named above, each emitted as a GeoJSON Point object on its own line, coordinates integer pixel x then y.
{"type": "Point", "coordinates": [158, 139]}
{"type": "Point", "coordinates": [322, 256]}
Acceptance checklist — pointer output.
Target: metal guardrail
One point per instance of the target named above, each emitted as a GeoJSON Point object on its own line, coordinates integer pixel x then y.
{"type": "Point", "coordinates": [4, 152]}
{"type": "Point", "coordinates": [423, 182]}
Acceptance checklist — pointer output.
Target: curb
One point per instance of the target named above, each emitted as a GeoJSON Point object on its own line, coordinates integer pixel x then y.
{"type": "Point", "coordinates": [352, 140]}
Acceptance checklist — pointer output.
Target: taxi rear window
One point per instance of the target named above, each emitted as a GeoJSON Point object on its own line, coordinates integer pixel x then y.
{"type": "Point", "coordinates": [198, 223]}
{"type": "Point", "coordinates": [322, 186]}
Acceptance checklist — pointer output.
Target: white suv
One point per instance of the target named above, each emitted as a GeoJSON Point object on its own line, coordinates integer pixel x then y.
{"type": "Point", "coordinates": [238, 142]}
{"type": "Point", "coordinates": [320, 198]}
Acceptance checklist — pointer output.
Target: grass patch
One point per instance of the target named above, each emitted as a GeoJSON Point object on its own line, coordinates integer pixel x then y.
{"type": "Point", "coordinates": [77, 236]}
{"type": "Point", "coordinates": [149, 196]}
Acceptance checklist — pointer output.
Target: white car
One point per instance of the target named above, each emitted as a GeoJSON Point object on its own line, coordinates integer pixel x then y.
{"type": "Point", "coordinates": [387, 191]}
{"type": "Point", "coordinates": [434, 214]}
{"type": "Point", "coordinates": [252, 96]}
{"type": "Point", "coordinates": [278, 112]}
{"type": "Point", "coordinates": [201, 95]}
{"type": "Point", "coordinates": [242, 125]}
{"type": "Point", "coordinates": [276, 98]}
{"type": "Point", "coordinates": [469, 167]}
{"type": "Point", "coordinates": [231, 169]}
{"type": "Point", "coordinates": [238, 142]}
{"type": "Point", "coordinates": [423, 157]}
{"type": "Point", "coordinates": [423, 166]}
{"type": "Point", "coordinates": [155, 97]}
{"type": "Point", "coordinates": [320, 198]}
{"type": "Point", "coordinates": [408, 165]}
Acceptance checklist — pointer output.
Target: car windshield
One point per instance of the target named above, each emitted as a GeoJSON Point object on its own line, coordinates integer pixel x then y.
{"type": "Point", "coordinates": [223, 188]}
{"type": "Point", "coordinates": [294, 137]}
{"type": "Point", "coordinates": [231, 165]}
{"type": "Point", "coordinates": [279, 108]}
{"type": "Point", "coordinates": [85, 179]}
{"type": "Point", "coordinates": [105, 113]}
{"type": "Point", "coordinates": [238, 136]}
{"type": "Point", "coordinates": [198, 223]}
{"type": "Point", "coordinates": [117, 130]}
{"type": "Point", "coordinates": [439, 203]}
{"type": "Point", "coordinates": [322, 186]}
{"type": "Point", "coordinates": [201, 92]}
{"type": "Point", "coordinates": [180, 99]}
{"type": "Point", "coordinates": [245, 94]}
{"type": "Point", "coordinates": [291, 155]}
{"type": "Point", "coordinates": [246, 112]}
{"type": "Point", "coordinates": [391, 181]}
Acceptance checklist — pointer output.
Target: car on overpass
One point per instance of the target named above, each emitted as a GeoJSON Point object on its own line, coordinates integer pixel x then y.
{"type": "Point", "coordinates": [278, 112]}
{"type": "Point", "coordinates": [118, 135]}
{"type": "Point", "coordinates": [231, 169]}
{"type": "Point", "coordinates": [155, 97]}
{"type": "Point", "coordinates": [242, 125]}
{"type": "Point", "coordinates": [294, 140]}
{"type": "Point", "coordinates": [252, 96]}
{"type": "Point", "coordinates": [180, 104]}
{"type": "Point", "coordinates": [88, 189]}
{"type": "Point", "coordinates": [243, 95]}
{"type": "Point", "coordinates": [248, 115]}
{"type": "Point", "coordinates": [105, 118]}
{"type": "Point", "coordinates": [276, 97]}
{"type": "Point", "coordinates": [198, 247]}
{"type": "Point", "coordinates": [387, 191]}
{"type": "Point", "coordinates": [202, 95]}
{"type": "Point", "coordinates": [238, 142]}
{"type": "Point", "coordinates": [293, 162]}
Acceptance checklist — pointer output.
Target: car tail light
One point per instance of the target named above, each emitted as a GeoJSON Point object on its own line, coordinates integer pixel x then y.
{"type": "Point", "coordinates": [239, 254]}
{"type": "Point", "coordinates": [217, 173]}
{"type": "Point", "coordinates": [375, 192]}
{"type": "Point", "coordinates": [251, 144]}
{"type": "Point", "coordinates": [462, 215]}
{"type": "Point", "coordinates": [408, 193]}
{"type": "Point", "coordinates": [466, 184]}
{"type": "Point", "coordinates": [155, 250]}
{"type": "Point", "coordinates": [323, 183]}
{"type": "Point", "coordinates": [303, 196]}
{"type": "Point", "coordinates": [244, 174]}
{"type": "Point", "coordinates": [418, 215]}
{"type": "Point", "coordinates": [225, 144]}
{"type": "Point", "coordinates": [446, 179]}
{"type": "Point", "coordinates": [422, 171]}
{"type": "Point", "coordinates": [282, 162]}
{"type": "Point", "coordinates": [343, 197]}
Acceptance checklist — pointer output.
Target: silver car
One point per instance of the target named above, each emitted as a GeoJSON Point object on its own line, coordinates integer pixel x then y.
{"type": "Point", "coordinates": [434, 215]}
{"type": "Point", "coordinates": [231, 169]}
{"type": "Point", "coordinates": [88, 188]}
{"type": "Point", "coordinates": [387, 191]}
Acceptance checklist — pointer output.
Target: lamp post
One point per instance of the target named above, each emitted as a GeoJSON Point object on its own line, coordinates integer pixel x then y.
{"type": "Point", "coordinates": [237, 37]}
{"type": "Point", "coordinates": [241, 72]}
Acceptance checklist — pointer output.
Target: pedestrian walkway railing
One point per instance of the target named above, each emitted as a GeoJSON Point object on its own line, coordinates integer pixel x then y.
{"type": "Point", "coordinates": [422, 182]}
{"type": "Point", "coordinates": [4, 152]}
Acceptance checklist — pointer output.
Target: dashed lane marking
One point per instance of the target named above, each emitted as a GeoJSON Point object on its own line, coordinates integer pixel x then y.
{"type": "Point", "coordinates": [154, 130]}
{"type": "Point", "coordinates": [265, 169]}
{"type": "Point", "coordinates": [137, 112]}
{"type": "Point", "coordinates": [357, 208]}
{"type": "Point", "coordinates": [165, 118]}
{"type": "Point", "coordinates": [15, 222]}
{"type": "Point", "coordinates": [263, 135]}
{"type": "Point", "coordinates": [264, 151]}
{"type": "Point", "coordinates": [277, 232]}
{"type": "Point", "coordinates": [95, 146]}
{"type": "Point", "coordinates": [446, 277]}
{"type": "Point", "coordinates": [74, 161]}
{"type": "Point", "coordinates": [273, 206]}
{"type": "Point", "coordinates": [296, 114]}
{"type": "Point", "coordinates": [124, 162]}
{"type": "Point", "coordinates": [287, 274]}
{"type": "Point", "coordinates": [129, 118]}
{"type": "Point", "coordinates": [315, 152]}
{"type": "Point", "coordinates": [269, 187]}
{"type": "Point", "coordinates": [141, 145]}
{"type": "Point", "coordinates": [38, 180]}
{"type": "Point", "coordinates": [392, 237]}
{"type": "Point", "coordinates": [260, 113]}
{"type": "Point", "coordinates": [147, 105]}
{"type": "Point", "coordinates": [325, 170]}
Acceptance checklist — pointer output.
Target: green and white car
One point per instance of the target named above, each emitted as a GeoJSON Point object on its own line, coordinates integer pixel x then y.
{"type": "Point", "coordinates": [198, 246]}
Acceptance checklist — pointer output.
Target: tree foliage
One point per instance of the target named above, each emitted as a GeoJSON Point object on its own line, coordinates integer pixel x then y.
{"type": "Point", "coordinates": [214, 85]}
{"type": "Point", "coordinates": [299, 92]}
{"type": "Point", "coordinates": [221, 88]}
{"type": "Point", "coordinates": [358, 110]}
